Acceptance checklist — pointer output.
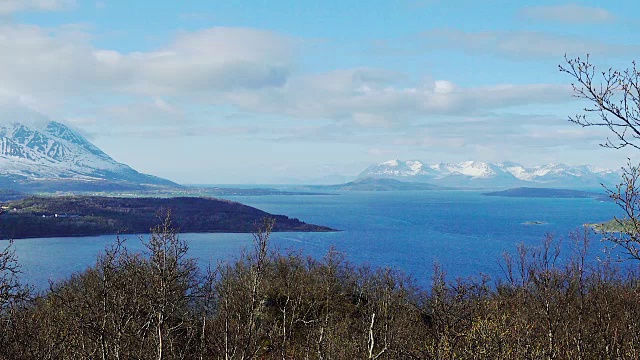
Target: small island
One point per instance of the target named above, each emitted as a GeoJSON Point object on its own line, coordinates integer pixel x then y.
{"type": "Point", "coordinates": [375, 184]}
{"type": "Point", "coordinates": [535, 222]}
{"type": "Point", "coordinates": [66, 216]}
{"type": "Point", "coordinates": [529, 192]}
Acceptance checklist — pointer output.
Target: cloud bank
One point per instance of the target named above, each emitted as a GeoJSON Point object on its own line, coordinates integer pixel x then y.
{"type": "Point", "coordinates": [569, 14]}
{"type": "Point", "coordinates": [8, 7]}
{"type": "Point", "coordinates": [249, 69]}
{"type": "Point", "coordinates": [523, 45]}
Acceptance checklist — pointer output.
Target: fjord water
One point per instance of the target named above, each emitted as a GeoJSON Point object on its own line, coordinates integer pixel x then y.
{"type": "Point", "coordinates": [464, 231]}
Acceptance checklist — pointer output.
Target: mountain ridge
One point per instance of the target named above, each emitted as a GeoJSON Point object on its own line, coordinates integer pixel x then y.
{"type": "Point", "coordinates": [479, 174]}
{"type": "Point", "coordinates": [373, 184]}
{"type": "Point", "coordinates": [48, 155]}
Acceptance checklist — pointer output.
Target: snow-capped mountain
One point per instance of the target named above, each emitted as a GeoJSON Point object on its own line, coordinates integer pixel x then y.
{"type": "Point", "coordinates": [493, 175]}
{"type": "Point", "coordinates": [37, 153]}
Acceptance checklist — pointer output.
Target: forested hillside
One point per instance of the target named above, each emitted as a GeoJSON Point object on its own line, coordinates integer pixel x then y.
{"type": "Point", "coordinates": [57, 216]}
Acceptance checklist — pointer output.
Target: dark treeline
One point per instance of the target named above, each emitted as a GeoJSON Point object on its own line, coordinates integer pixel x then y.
{"type": "Point", "coordinates": [269, 305]}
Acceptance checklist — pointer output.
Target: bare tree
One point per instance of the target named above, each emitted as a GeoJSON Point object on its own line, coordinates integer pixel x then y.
{"type": "Point", "coordinates": [259, 260]}
{"type": "Point", "coordinates": [625, 231]}
{"type": "Point", "coordinates": [12, 294]}
{"type": "Point", "coordinates": [171, 279]}
{"type": "Point", "coordinates": [10, 288]}
{"type": "Point", "coordinates": [240, 293]}
{"type": "Point", "coordinates": [614, 98]}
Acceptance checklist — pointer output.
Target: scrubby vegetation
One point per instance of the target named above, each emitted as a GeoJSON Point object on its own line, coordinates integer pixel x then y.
{"type": "Point", "coordinates": [611, 226]}
{"type": "Point", "coordinates": [268, 305]}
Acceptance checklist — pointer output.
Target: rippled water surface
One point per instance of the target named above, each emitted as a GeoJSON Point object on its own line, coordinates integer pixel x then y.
{"type": "Point", "coordinates": [464, 231]}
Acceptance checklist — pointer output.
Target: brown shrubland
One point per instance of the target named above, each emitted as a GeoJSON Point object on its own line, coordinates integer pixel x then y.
{"type": "Point", "coordinates": [268, 305]}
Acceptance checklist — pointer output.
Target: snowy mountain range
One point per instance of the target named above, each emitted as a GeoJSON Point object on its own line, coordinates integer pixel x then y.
{"type": "Point", "coordinates": [37, 154]}
{"type": "Point", "coordinates": [478, 174]}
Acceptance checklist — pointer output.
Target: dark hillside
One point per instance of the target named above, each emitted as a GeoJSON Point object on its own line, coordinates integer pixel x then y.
{"type": "Point", "coordinates": [39, 216]}
{"type": "Point", "coordinates": [8, 195]}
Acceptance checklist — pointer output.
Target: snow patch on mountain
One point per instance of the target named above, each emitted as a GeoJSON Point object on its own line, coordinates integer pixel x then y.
{"type": "Point", "coordinates": [486, 174]}
{"type": "Point", "coordinates": [33, 148]}
{"type": "Point", "coordinates": [474, 169]}
{"type": "Point", "coordinates": [391, 163]}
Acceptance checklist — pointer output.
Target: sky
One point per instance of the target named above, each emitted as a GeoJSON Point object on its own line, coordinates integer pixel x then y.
{"type": "Point", "coordinates": [286, 91]}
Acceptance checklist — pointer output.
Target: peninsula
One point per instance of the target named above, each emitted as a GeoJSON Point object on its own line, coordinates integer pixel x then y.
{"type": "Point", "coordinates": [66, 216]}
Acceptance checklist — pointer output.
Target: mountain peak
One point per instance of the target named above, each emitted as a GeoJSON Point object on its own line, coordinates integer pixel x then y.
{"type": "Point", "coordinates": [50, 153]}
{"type": "Point", "coordinates": [390, 163]}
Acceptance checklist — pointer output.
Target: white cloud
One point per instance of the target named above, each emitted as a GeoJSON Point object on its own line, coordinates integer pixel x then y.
{"type": "Point", "coordinates": [443, 87]}
{"type": "Point", "coordinates": [344, 95]}
{"type": "Point", "coordinates": [523, 44]}
{"type": "Point", "coordinates": [568, 13]}
{"type": "Point", "coordinates": [494, 138]}
{"type": "Point", "coordinates": [60, 60]}
{"type": "Point", "coordinates": [371, 120]}
{"type": "Point", "coordinates": [249, 70]}
{"type": "Point", "coordinates": [13, 6]}
{"type": "Point", "coordinates": [216, 59]}
{"type": "Point", "coordinates": [154, 112]}
{"type": "Point", "coordinates": [430, 141]}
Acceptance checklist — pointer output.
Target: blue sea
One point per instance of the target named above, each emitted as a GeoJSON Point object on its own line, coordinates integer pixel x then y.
{"type": "Point", "coordinates": [464, 232]}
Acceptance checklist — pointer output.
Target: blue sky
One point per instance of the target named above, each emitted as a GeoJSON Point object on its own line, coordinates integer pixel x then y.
{"type": "Point", "coordinates": [296, 91]}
